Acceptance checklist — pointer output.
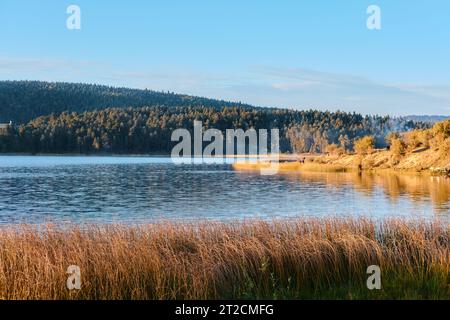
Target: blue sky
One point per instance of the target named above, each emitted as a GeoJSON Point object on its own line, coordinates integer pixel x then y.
{"type": "Point", "coordinates": [296, 54]}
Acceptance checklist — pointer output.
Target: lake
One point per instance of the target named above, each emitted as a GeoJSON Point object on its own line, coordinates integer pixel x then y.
{"type": "Point", "coordinates": [40, 189]}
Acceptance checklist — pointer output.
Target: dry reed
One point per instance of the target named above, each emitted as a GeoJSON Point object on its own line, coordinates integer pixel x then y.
{"type": "Point", "coordinates": [304, 258]}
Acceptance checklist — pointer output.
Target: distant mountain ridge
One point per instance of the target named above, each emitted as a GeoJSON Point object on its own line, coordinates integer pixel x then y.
{"type": "Point", "coordinates": [427, 118]}
{"type": "Point", "coordinates": [22, 101]}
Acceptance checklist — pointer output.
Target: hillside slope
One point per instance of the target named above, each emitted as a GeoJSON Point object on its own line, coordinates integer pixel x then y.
{"type": "Point", "coordinates": [22, 101]}
{"type": "Point", "coordinates": [420, 150]}
{"type": "Point", "coordinates": [426, 160]}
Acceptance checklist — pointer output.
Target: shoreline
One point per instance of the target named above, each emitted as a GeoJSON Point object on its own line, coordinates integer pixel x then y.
{"type": "Point", "coordinates": [294, 167]}
{"type": "Point", "coordinates": [81, 155]}
{"type": "Point", "coordinates": [381, 161]}
{"type": "Point", "coordinates": [291, 162]}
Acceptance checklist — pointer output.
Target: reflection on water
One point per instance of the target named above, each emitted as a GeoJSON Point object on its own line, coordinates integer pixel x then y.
{"type": "Point", "coordinates": [127, 189]}
{"type": "Point", "coordinates": [419, 189]}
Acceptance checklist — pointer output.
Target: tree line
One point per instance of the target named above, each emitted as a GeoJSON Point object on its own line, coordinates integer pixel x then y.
{"type": "Point", "coordinates": [148, 129]}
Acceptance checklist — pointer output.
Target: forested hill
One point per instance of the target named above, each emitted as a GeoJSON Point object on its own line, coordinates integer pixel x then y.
{"type": "Point", "coordinates": [82, 118]}
{"type": "Point", "coordinates": [22, 101]}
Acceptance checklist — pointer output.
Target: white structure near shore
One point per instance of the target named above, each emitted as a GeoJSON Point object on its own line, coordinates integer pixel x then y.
{"type": "Point", "coordinates": [4, 128]}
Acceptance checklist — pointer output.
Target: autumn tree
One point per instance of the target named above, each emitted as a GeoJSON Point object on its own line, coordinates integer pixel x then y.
{"type": "Point", "coordinates": [364, 145]}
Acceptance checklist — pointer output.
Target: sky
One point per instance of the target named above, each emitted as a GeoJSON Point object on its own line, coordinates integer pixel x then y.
{"type": "Point", "coordinates": [316, 54]}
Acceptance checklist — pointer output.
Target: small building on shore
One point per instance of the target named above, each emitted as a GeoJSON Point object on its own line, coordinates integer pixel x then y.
{"type": "Point", "coordinates": [5, 128]}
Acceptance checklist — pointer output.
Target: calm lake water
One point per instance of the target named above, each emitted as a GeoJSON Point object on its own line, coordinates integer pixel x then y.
{"type": "Point", "coordinates": [146, 189]}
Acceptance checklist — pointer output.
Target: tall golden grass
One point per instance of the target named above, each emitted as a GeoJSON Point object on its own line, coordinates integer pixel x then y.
{"type": "Point", "coordinates": [302, 258]}
{"type": "Point", "coordinates": [289, 166]}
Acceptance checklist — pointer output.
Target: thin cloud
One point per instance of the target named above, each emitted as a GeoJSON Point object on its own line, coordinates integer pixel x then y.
{"type": "Point", "coordinates": [41, 65]}
{"type": "Point", "coordinates": [308, 75]}
{"type": "Point", "coordinates": [262, 85]}
{"type": "Point", "coordinates": [305, 88]}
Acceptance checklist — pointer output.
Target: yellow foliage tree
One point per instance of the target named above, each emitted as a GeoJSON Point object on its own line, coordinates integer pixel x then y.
{"type": "Point", "coordinates": [364, 145]}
